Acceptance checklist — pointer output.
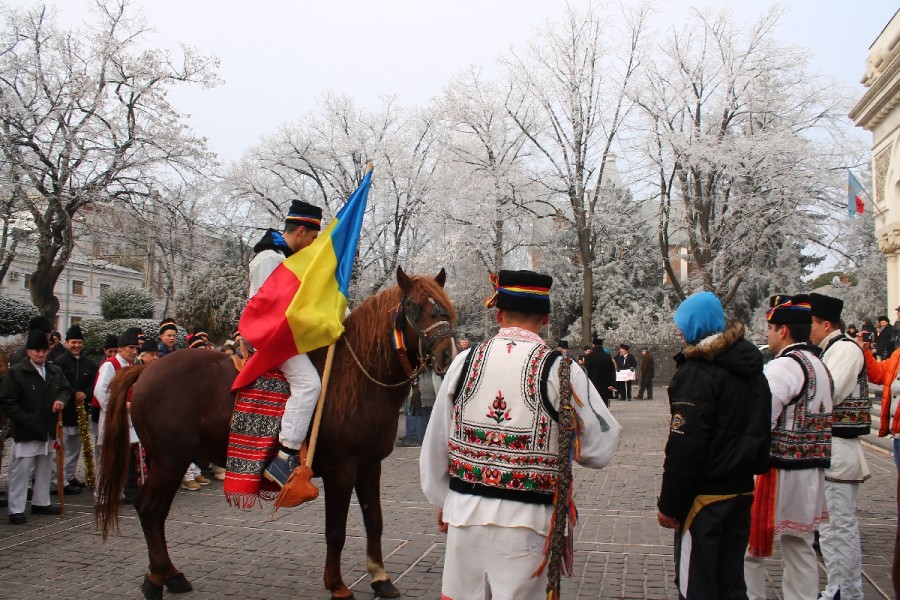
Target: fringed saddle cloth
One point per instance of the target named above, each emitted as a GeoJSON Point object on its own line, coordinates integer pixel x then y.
{"type": "Point", "coordinates": [253, 441]}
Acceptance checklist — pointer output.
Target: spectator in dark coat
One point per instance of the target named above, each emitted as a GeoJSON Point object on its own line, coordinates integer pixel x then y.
{"type": "Point", "coordinates": [625, 365]}
{"type": "Point", "coordinates": [886, 340]}
{"type": "Point", "coordinates": [718, 440]}
{"type": "Point", "coordinates": [31, 394]}
{"type": "Point", "coordinates": [81, 372]}
{"type": "Point", "coordinates": [647, 373]}
{"type": "Point", "coordinates": [601, 370]}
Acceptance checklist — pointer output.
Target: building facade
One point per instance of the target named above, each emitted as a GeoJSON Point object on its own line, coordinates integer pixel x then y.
{"type": "Point", "coordinates": [79, 286]}
{"type": "Point", "coordinates": [878, 111]}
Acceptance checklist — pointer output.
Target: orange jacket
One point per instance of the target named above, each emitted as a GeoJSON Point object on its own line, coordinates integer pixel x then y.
{"type": "Point", "coordinates": [884, 373]}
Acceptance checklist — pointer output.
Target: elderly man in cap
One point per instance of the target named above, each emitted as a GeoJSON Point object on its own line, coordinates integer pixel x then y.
{"type": "Point", "coordinates": [31, 394]}
{"type": "Point", "coordinates": [81, 373]}
{"type": "Point", "coordinates": [718, 440]}
{"type": "Point", "coordinates": [301, 228]}
{"type": "Point", "coordinates": [496, 423]}
{"type": "Point", "coordinates": [790, 497]}
{"type": "Point", "coordinates": [839, 536]}
{"type": "Point", "coordinates": [39, 323]}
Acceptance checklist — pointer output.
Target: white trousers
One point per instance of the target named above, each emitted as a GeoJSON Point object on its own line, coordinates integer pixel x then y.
{"type": "Point", "coordinates": [800, 580]}
{"type": "Point", "coordinates": [305, 385]}
{"type": "Point", "coordinates": [487, 562]}
{"type": "Point", "coordinates": [20, 475]}
{"type": "Point", "coordinates": [94, 431]}
{"type": "Point", "coordinates": [192, 471]}
{"type": "Point", "coordinates": [72, 444]}
{"type": "Point", "coordinates": [839, 541]}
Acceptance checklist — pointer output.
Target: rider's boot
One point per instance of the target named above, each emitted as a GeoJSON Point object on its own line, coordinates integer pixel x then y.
{"type": "Point", "coordinates": [279, 470]}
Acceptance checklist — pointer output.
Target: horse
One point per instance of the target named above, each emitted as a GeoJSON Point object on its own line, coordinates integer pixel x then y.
{"type": "Point", "coordinates": [181, 409]}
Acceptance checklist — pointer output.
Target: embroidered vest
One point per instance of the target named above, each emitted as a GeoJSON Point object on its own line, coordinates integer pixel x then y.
{"type": "Point", "coordinates": [504, 433]}
{"type": "Point", "coordinates": [852, 418]}
{"type": "Point", "coordinates": [801, 438]}
{"type": "Point", "coordinates": [116, 366]}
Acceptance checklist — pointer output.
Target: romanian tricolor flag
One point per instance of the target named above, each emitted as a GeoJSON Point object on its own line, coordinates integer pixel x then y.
{"type": "Point", "coordinates": [855, 190]}
{"type": "Point", "coordinates": [301, 305]}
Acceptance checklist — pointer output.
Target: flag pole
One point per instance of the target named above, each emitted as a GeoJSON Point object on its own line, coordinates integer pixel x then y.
{"type": "Point", "coordinates": [320, 406]}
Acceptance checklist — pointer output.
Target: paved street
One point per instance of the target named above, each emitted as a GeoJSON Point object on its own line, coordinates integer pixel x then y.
{"type": "Point", "coordinates": [228, 553]}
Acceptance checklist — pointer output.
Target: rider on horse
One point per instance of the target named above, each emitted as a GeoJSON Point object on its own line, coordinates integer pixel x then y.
{"type": "Point", "coordinates": [301, 228]}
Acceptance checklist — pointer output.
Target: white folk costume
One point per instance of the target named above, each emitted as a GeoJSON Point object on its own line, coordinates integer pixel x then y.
{"type": "Point", "coordinates": [490, 460]}
{"type": "Point", "coordinates": [105, 374]}
{"type": "Point", "coordinates": [789, 502]}
{"type": "Point", "coordinates": [302, 377]}
{"type": "Point", "coordinates": [839, 537]}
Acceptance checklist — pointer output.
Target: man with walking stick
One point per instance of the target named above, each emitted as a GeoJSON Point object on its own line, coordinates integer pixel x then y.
{"type": "Point", "coordinates": [30, 394]}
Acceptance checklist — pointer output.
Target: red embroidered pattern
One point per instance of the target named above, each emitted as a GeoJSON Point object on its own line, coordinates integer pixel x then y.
{"type": "Point", "coordinates": [497, 410]}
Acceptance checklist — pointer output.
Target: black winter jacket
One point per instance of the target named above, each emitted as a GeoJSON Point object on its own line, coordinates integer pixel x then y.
{"type": "Point", "coordinates": [721, 418]}
{"type": "Point", "coordinates": [600, 370]}
{"type": "Point", "coordinates": [27, 399]}
{"type": "Point", "coordinates": [81, 373]}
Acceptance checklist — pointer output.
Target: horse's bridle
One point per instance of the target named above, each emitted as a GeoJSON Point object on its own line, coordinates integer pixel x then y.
{"type": "Point", "coordinates": [409, 311]}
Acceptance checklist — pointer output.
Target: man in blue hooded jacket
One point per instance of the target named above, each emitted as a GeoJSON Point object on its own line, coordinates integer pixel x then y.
{"type": "Point", "coordinates": [718, 440]}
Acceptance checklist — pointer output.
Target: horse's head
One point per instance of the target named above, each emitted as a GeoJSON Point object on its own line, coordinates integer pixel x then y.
{"type": "Point", "coordinates": [429, 319]}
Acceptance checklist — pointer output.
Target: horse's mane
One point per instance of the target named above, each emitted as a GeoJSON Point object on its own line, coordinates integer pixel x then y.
{"type": "Point", "coordinates": [369, 330]}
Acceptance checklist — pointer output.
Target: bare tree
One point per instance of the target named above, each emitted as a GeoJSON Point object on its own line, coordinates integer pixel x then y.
{"type": "Point", "coordinates": [84, 119]}
{"type": "Point", "coordinates": [569, 97]}
{"type": "Point", "coordinates": [737, 134]}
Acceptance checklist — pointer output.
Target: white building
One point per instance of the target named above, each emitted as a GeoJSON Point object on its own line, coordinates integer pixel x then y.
{"type": "Point", "coordinates": [78, 288]}
{"type": "Point", "coordinates": [878, 111]}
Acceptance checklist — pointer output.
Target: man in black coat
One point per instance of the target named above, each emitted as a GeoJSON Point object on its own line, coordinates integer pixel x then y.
{"type": "Point", "coordinates": [601, 370]}
{"type": "Point", "coordinates": [31, 394]}
{"type": "Point", "coordinates": [718, 440]}
{"type": "Point", "coordinates": [81, 372]}
{"type": "Point", "coordinates": [886, 340]}
{"type": "Point", "coordinates": [626, 364]}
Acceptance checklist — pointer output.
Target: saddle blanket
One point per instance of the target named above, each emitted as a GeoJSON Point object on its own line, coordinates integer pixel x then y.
{"type": "Point", "coordinates": [253, 441]}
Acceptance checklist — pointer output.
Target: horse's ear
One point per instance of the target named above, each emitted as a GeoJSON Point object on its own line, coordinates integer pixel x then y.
{"type": "Point", "coordinates": [403, 280]}
{"type": "Point", "coordinates": [441, 277]}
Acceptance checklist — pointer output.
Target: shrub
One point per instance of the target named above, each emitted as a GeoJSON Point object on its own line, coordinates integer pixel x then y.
{"type": "Point", "coordinates": [96, 330]}
{"type": "Point", "coordinates": [213, 300]}
{"type": "Point", "coordinates": [126, 302]}
{"type": "Point", "coordinates": [15, 314]}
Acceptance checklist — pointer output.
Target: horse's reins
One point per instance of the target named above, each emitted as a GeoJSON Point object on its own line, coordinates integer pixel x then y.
{"type": "Point", "coordinates": [427, 339]}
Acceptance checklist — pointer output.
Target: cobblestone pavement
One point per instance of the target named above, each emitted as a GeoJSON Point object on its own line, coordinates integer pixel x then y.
{"type": "Point", "coordinates": [227, 553]}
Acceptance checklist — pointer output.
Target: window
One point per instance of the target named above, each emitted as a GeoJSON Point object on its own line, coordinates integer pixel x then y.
{"type": "Point", "coordinates": [74, 321]}
{"type": "Point", "coordinates": [26, 282]}
{"type": "Point", "coordinates": [104, 287]}
{"type": "Point", "coordinates": [77, 287]}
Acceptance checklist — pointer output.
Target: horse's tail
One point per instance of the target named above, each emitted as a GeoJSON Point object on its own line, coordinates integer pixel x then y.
{"type": "Point", "coordinates": [116, 449]}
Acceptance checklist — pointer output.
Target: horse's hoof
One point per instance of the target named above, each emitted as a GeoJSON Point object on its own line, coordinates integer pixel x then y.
{"type": "Point", "coordinates": [179, 584]}
{"type": "Point", "coordinates": [350, 597]}
{"type": "Point", "coordinates": [385, 589]}
{"type": "Point", "coordinates": [150, 591]}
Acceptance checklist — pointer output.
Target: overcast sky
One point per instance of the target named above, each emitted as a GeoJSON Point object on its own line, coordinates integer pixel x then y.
{"type": "Point", "coordinates": [279, 56]}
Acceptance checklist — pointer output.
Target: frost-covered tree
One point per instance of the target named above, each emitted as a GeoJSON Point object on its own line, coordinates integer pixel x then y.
{"type": "Point", "coordinates": [126, 302]}
{"type": "Point", "coordinates": [85, 119]}
{"type": "Point", "coordinates": [739, 135]}
{"type": "Point", "coordinates": [14, 315]}
{"type": "Point", "coordinates": [213, 300]}
{"type": "Point", "coordinates": [569, 97]}
{"type": "Point", "coordinates": [321, 158]}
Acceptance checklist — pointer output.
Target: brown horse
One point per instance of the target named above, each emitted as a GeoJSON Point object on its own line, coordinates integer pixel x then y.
{"type": "Point", "coordinates": [181, 409]}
